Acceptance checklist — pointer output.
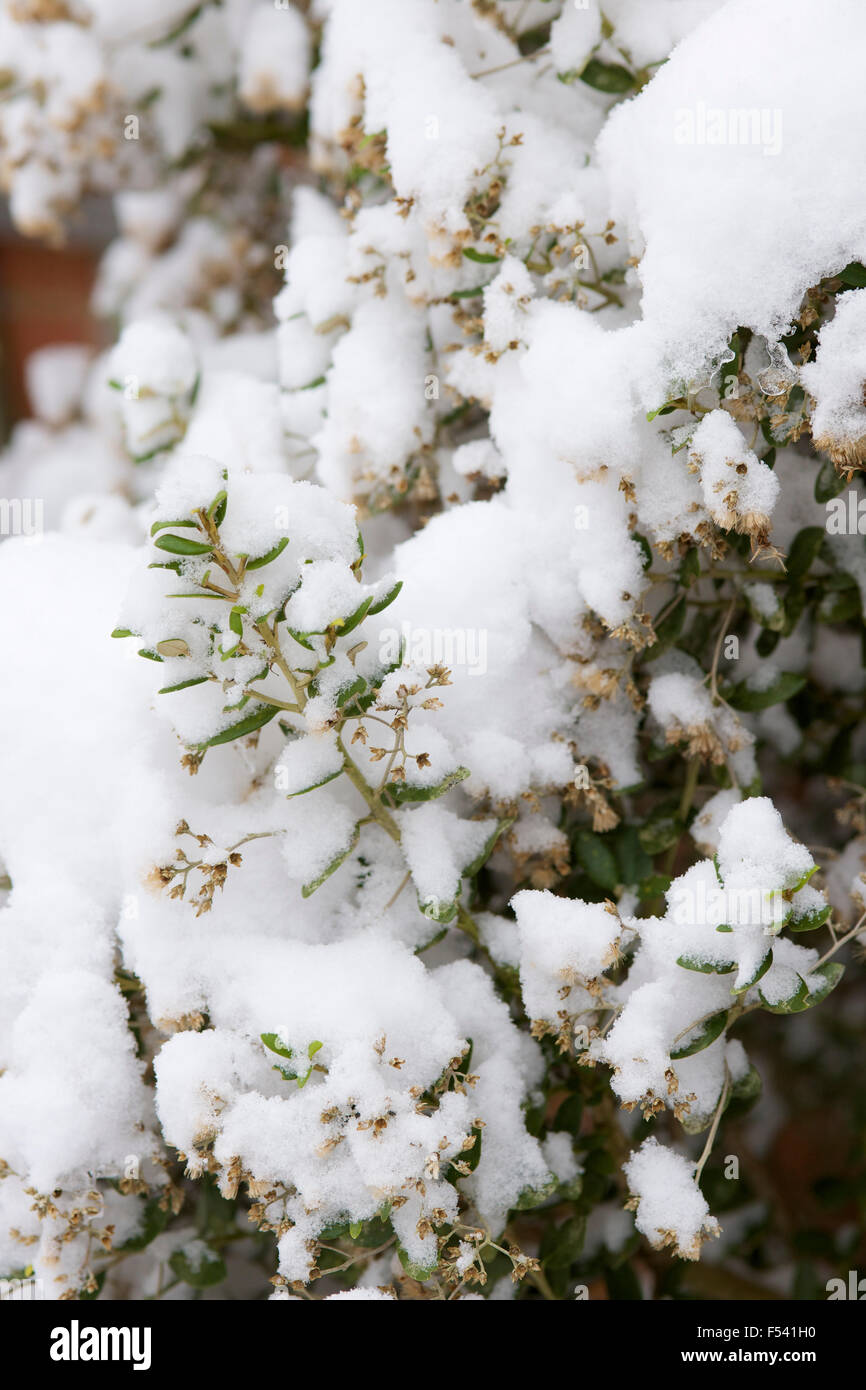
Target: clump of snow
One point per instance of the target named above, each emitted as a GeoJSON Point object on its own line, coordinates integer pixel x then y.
{"type": "Point", "coordinates": [670, 1208]}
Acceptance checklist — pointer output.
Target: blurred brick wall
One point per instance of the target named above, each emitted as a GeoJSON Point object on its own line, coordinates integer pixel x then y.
{"type": "Point", "coordinates": [45, 299]}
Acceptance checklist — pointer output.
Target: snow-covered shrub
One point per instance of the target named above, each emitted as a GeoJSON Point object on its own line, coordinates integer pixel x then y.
{"type": "Point", "coordinates": [475, 472]}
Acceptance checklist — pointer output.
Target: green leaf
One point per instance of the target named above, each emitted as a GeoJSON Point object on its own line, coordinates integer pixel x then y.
{"type": "Point", "coordinates": [744, 1093]}
{"type": "Point", "coordinates": [854, 274]}
{"type": "Point", "coordinates": [597, 859]}
{"type": "Point", "coordinates": [562, 1245]}
{"type": "Point", "coordinates": [313, 785]}
{"type": "Point", "coordinates": [180, 545]}
{"type": "Point", "coordinates": [209, 1271]}
{"type": "Point", "coordinates": [344, 625]}
{"type": "Point", "coordinates": [761, 970]}
{"type": "Point", "coordinates": [611, 78]}
{"type": "Point", "coordinates": [161, 525]}
{"type": "Point", "coordinates": [124, 632]}
{"type": "Point", "coordinates": [646, 549]}
{"type": "Point", "coordinates": [705, 1034]}
{"type": "Point", "coordinates": [217, 509]}
{"type": "Point", "coordinates": [839, 606]}
{"type": "Point", "coordinates": [310, 888]}
{"type": "Point", "coordinates": [653, 886]}
{"type": "Point", "coordinates": [271, 1041]}
{"type": "Point", "coordinates": [481, 257]}
{"type": "Point", "coordinates": [385, 602]}
{"type": "Point", "coordinates": [87, 1295]}
{"type": "Point", "coordinates": [182, 685]}
{"type": "Point", "coordinates": [153, 1223]}
{"type": "Point", "coordinates": [473, 867]}
{"type": "Point", "coordinates": [401, 792]}
{"type": "Point", "coordinates": [415, 1271]}
{"type": "Point", "coordinates": [263, 715]}
{"type": "Point", "coordinates": [803, 998]}
{"type": "Point", "coordinates": [271, 555]}
{"type": "Point", "coordinates": [569, 1115]}
{"type": "Point", "coordinates": [767, 642]}
{"type": "Point", "coordinates": [828, 483]}
{"type": "Point", "coordinates": [803, 552]}
{"type": "Point", "coordinates": [690, 567]}
{"type": "Point", "coordinates": [467, 294]}
{"type": "Point", "coordinates": [442, 910]}
{"type": "Point", "coordinates": [532, 1197]}
{"type": "Point", "coordinates": [347, 692]}
{"type": "Point", "coordinates": [773, 621]}
{"type": "Point", "coordinates": [784, 687]}
{"type": "Point", "coordinates": [634, 863]}
{"type": "Point", "coordinates": [661, 829]}
{"type": "Point", "coordinates": [810, 921]}
{"type": "Point", "coordinates": [704, 967]}
{"type": "Point", "coordinates": [667, 409]}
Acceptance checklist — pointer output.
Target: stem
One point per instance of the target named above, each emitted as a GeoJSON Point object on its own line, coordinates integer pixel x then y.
{"type": "Point", "coordinates": [467, 924]}
{"type": "Point", "coordinates": [356, 777]}
{"type": "Point", "coordinates": [395, 895]}
{"type": "Point", "coordinates": [714, 671]}
{"type": "Point", "coordinates": [689, 787]}
{"type": "Point", "coordinates": [270, 638]}
{"type": "Point", "coordinates": [711, 1137]}
{"type": "Point", "coordinates": [849, 935]}
{"type": "Point", "coordinates": [269, 700]}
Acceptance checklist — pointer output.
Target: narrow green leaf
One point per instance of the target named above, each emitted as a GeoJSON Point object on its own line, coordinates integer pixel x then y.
{"type": "Point", "coordinates": [400, 792]}
{"type": "Point", "coordinates": [181, 521]}
{"type": "Point", "coordinates": [271, 555]}
{"type": "Point", "coordinates": [384, 602]}
{"type": "Point", "coordinates": [263, 715]}
{"type": "Point", "coordinates": [182, 685]}
{"type": "Point", "coordinates": [597, 859]}
{"type": "Point", "coordinates": [180, 545]}
{"type": "Point", "coordinates": [803, 552]}
{"type": "Point", "coordinates": [786, 685]}
{"type": "Point", "coordinates": [310, 888]}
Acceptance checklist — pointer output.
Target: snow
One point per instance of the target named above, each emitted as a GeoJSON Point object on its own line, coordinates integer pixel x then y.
{"type": "Point", "coordinates": [563, 944]}
{"type": "Point", "coordinates": [493, 274]}
{"type": "Point", "coordinates": [835, 379]}
{"type": "Point", "coordinates": [671, 1209]}
{"type": "Point", "coordinates": [682, 200]}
